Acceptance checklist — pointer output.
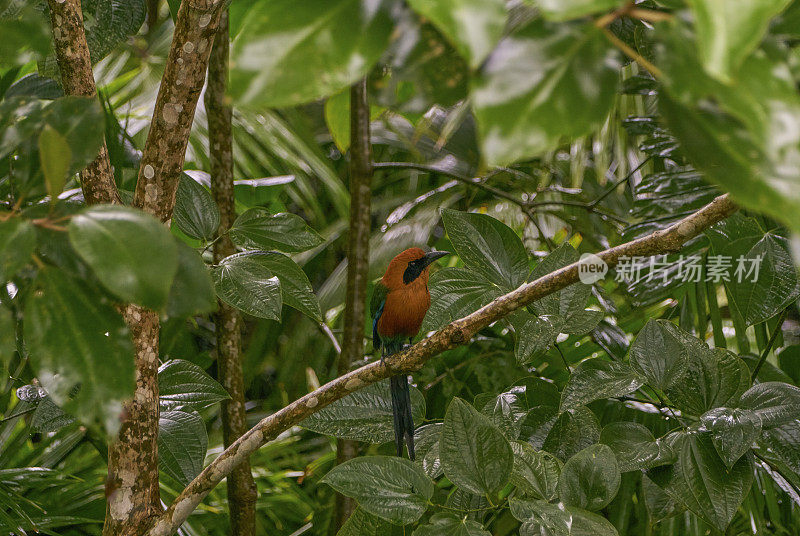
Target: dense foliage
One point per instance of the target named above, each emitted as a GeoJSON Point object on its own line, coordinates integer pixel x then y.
{"type": "Point", "coordinates": [662, 399]}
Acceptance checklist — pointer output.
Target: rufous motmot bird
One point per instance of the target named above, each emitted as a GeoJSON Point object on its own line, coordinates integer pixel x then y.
{"type": "Point", "coordinates": [398, 306]}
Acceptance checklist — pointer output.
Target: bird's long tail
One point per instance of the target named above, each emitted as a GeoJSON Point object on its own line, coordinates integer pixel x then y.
{"type": "Point", "coordinates": [401, 409]}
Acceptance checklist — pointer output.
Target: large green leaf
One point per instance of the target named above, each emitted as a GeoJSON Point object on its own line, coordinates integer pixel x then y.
{"type": "Point", "coordinates": [365, 415]}
{"type": "Point", "coordinates": [196, 213]}
{"type": "Point", "coordinates": [573, 431]}
{"type": "Point", "coordinates": [569, 85]}
{"type": "Point", "coordinates": [389, 487]}
{"type": "Point", "coordinates": [192, 291]}
{"type": "Point", "coordinates": [487, 247]}
{"type": "Point", "coordinates": [659, 353]}
{"type": "Point", "coordinates": [733, 431]}
{"type": "Point", "coordinates": [701, 482]}
{"type": "Point", "coordinates": [590, 479]}
{"type": "Point", "coordinates": [543, 518]}
{"type": "Point", "coordinates": [776, 403]}
{"type": "Point", "coordinates": [289, 52]}
{"type": "Point", "coordinates": [258, 229]}
{"type": "Point", "coordinates": [658, 502]}
{"type": "Point", "coordinates": [535, 472]}
{"type": "Point", "coordinates": [245, 282]}
{"type": "Point", "coordinates": [182, 444]}
{"type": "Point", "coordinates": [17, 244]}
{"type": "Point", "coordinates": [182, 383]}
{"type": "Point", "coordinates": [131, 253]}
{"type": "Point", "coordinates": [473, 26]}
{"type": "Point", "coordinates": [456, 292]}
{"type": "Point", "coordinates": [507, 411]}
{"type": "Point", "coordinates": [635, 447]}
{"type": "Point", "coordinates": [572, 9]}
{"type": "Point", "coordinates": [426, 445]}
{"type": "Point", "coordinates": [362, 523]}
{"type": "Point", "coordinates": [447, 524]}
{"type": "Point", "coordinates": [55, 155]}
{"type": "Point", "coordinates": [598, 378]}
{"type": "Point", "coordinates": [534, 335]}
{"type": "Point", "coordinates": [475, 454]}
{"type": "Point", "coordinates": [725, 36]}
{"type": "Point", "coordinates": [80, 349]}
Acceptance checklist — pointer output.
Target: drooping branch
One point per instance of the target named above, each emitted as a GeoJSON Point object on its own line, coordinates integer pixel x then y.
{"type": "Point", "coordinates": [72, 54]}
{"type": "Point", "coordinates": [457, 333]}
{"type": "Point", "coordinates": [357, 263]}
{"type": "Point", "coordinates": [228, 322]}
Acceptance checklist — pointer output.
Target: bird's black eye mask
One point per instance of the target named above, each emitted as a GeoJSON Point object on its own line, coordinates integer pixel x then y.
{"type": "Point", "coordinates": [414, 270]}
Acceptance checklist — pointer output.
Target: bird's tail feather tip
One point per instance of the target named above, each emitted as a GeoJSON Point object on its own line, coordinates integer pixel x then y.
{"type": "Point", "coordinates": [403, 419]}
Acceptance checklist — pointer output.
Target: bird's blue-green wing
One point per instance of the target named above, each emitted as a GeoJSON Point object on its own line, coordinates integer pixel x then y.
{"type": "Point", "coordinates": [375, 311]}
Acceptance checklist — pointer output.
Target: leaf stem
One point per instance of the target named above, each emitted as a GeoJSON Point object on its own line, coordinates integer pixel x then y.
{"type": "Point", "coordinates": [635, 56]}
{"type": "Point", "coordinates": [771, 341]}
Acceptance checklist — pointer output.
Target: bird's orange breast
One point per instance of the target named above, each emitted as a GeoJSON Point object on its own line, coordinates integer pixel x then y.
{"type": "Point", "coordinates": [404, 311]}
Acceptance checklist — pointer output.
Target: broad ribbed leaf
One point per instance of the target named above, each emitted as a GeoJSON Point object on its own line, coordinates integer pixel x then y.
{"type": "Point", "coordinates": [534, 335]}
{"type": "Point", "coordinates": [658, 502]}
{"type": "Point", "coordinates": [456, 292]}
{"type": "Point", "coordinates": [182, 383]}
{"type": "Point", "coordinates": [80, 349]}
{"type": "Point", "coordinates": [543, 518]}
{"type": "Point", "coordinates": [560, 10]}
{"type": "Point", "coordinates": [389, 487]}
{"type": "Point", "coordinates": [365, 415]}
{"type": "Point", "coordinates": [535, 473]}
{"type": "Point", "coordinates": [598, 378]}
{"type": "Point", "coordinates": [258, 229]}
{"type": "Point", "coordinates": [573, 431]}
{"type": "Point", "coordinates": [714, 377]}
{"type": "Point", "coordinates": [701, 482]}
{"type": "Point", "coordinates": [290, 52]}
{"type": "Point", "coordinates": [55, 156]}
{"type": "Point", "coordinates": [446, 524]}
{"type": "Point", "coordinates": [659, 354]}
{"type": "Point", "coordinates": [48, 417]}
{"type": "Point", "coordinates": [362, 523]}
{"type": "Point", "coordinates": [733, 431]}
{"type": "Point", "coordinates": [590, 479]}
{"type": "Point", "coordinates": [245, 282]}
{"type": "Point", "coordinates": [776, 403]}
{"type": "Point", "coordinates": [507, 411]}
{"type": "Point", "coordinates": [17, 243]}
{"type": "Point", "coordinates": [196, 213]}
{"type": "Point", "coordinates": [569, 84]}
{"type": "Point", "coordinates": [473, 26]}
{"type": "Point", "coordinates": [488, 247]}
{"type": "Point", "coordinates": [182, 444]}
{"type": "Point", "coordinates": [192, 291]}
{"type": "Point", "coordinates": [475, 454]}
{"type": "Point", "coordinates": [426, 445]}
{"type": "Point", "coordinates": [635, 447]}
{"type": "Point", "coordinates": [784, 443]}
{"type": "Point", "coordinates": [131, 253]}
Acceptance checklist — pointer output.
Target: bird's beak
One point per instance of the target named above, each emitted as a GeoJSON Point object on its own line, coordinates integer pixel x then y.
{"type": "Point", "coordinates": [433, 256]}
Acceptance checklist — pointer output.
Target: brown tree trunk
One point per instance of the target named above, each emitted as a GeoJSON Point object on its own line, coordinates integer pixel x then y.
{"type": "Point", "coordinates": [357, 263]}
{"type": "Point", "coordinates": [241, 486]}
{"type": "Point", "coordinates": [72, 53]}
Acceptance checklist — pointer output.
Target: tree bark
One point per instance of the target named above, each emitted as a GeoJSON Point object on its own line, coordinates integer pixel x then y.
{"type": "Point", "coordinates": [457, 333]}
{"type": "Point", "coordinates": [72, 54]}
{"type": "Point", "coordinates": [133, 460]}
{"type": "Point", "coordinates": [357, 264]}
{"type": "Point", "coordinates": [241, 486]}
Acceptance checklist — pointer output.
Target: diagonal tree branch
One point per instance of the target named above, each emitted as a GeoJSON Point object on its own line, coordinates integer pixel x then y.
{"type": "Point", "coordinates": [454, 334]}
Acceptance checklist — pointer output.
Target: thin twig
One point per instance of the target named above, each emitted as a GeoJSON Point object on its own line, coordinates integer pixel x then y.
{"type": "Point", "coordinates": [635, 56]}
{"type": "Point", "coordinates": [326, 329]}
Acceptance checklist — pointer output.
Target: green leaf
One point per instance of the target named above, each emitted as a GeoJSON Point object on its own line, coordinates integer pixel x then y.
{"type": "Point", "coordinates": [635, 447]}
{"type": "Point", "coordinates": [446, 524]}
{"type": "Point", "coordinates": [17, 244]}
{"type": "Point", "coordinates": [371, 479]}
{"type": "Point", "coordinates": [258, 229]}
{"type": "Point", "coordinates": [337, 118]}
{"type": "Point", "coordinates": [659, 353]}
{"type": "Point", "coordinates": [365, 415]}
{"type": "Point", "coordinates": [659, 504]}
{"type": "Point", "coordinates": [535, 472]}
{"type": "Point", "coordinates": [733, 431]}
{"type": "Point", "coordinates": [55, 156]}
{"type": "Point", "coordinates": [543, 518]}
{"type": "Point", "coordinates": [560, 10]}
{"type": "Point", "coordinates": [182, 444]}
{"type": "Point", "coordinates": [590, 479]}
{"type": "Point", "coordinates": [573, 431]}
{"type": "Point", "coordinates": [296, 289]}
{"type": "Point", "coordinates": [362, 523]}
{"type": "Point", "coordinates": [196, 213]}
{"type": "Point", "coordinates": [132, 254]}
{"type": "Point", "coordinates": [776, 403]}
{"type": "Point", "coordinates": [183, 384]}
{"type": "Point", "coordinates": [475, 454]}
{"type": "Point", "coordinates": [702, 483]}
{"type": "Point", "coordinates": [289, 52]}
{"type": "Point", "coordinates": [783, 442]}
{"type": "Point", "coordinates": [192, 291]}
{"type": "Point", "coordinates": [725, 37]}
{"type": "Point", "coordinates": [245, 282]}
{"type": "Point", "coordinates": [426, 445]}
{"type": "Point", "coordinates": [456, 292]}
{"type": "Point", "coordinates": [567, 91]}
{"type": "Point", "coordinates": [78, 342]}
{"type": "Point", "coordinates": [487, 247]}
{"type": "Point", "coordinates": [49, 418]}
{"type": "Point", "coordinates": [473, 26]}
{"type": "Point", "coordinates": [535, 335]}
{"type": "Point", "coordinates": [507, 411]}
{"type": "Point", "coordinates": [565, 309]}
{"type": "Point", "coordinates": [598, 378]}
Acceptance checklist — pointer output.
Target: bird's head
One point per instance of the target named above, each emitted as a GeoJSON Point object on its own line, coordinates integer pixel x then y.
{"type": "Point", "coordinates": [409, 265]}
